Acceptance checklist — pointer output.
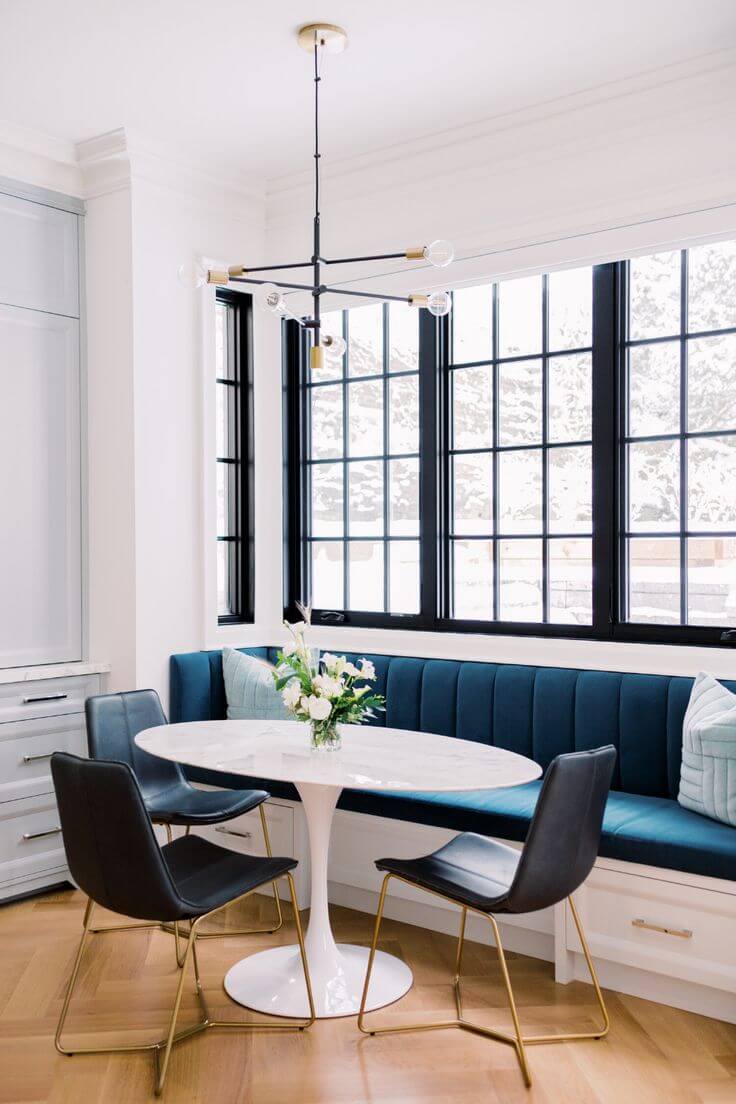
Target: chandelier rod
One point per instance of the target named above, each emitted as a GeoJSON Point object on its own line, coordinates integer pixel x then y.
{"type": "Point", "coordinates": [316, 292]}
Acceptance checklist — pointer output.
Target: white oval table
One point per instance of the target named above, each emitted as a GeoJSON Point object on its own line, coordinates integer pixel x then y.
{"type": "Point", "coordinates": [387, 759]}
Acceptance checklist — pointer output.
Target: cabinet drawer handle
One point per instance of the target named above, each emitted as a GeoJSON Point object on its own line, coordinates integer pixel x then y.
{"type": "Point", "coordinates": [233, 832]}
{"type": "Point", "coordinates": [38, 835]}
{"type": "Point", "coordinates": [35, 758]}
{"type": "Point", "coordinates": [681, 933]}
{"type": "Point", "coordinates": [45, 697]}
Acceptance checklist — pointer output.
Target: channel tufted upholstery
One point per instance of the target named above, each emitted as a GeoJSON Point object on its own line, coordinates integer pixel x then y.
{"type": "Point", "coordinates": [540, 712]}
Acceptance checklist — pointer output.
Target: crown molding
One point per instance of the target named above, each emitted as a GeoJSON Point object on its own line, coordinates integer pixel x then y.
{"type": "Point", "coordinates": [39, 160]}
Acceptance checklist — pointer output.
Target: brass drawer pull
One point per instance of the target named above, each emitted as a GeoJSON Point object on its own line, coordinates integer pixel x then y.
{"type": "Point", "coordinates": [46, 832]}
{"type": "Point", "coordinates": [681, 933]}
{"type": "Point", "coordinates": [36, 758]}
{"type": "Point", "coordinates": [233, 832]}
{"type": "Point", "coordinates": [45, 698]}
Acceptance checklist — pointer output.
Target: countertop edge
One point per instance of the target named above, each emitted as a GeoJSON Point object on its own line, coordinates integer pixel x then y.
{"type": "Point", "coordinates": [51, 671]}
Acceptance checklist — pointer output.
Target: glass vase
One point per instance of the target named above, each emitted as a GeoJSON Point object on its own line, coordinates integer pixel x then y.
{"type": "Point", "coordinates": [325, 736]}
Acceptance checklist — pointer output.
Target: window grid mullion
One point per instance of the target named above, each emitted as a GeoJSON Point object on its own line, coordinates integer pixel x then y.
{"type": "Point", "coordinates": [683, 440]}
{"type": "Point", "coordinates": [386, 446]}
{"type": "Point", "coordinates": [345, 469]}
{"type": "Point", "coordinates": [545, 452]}
{"type": "Point", "coordinates": [494, 461]}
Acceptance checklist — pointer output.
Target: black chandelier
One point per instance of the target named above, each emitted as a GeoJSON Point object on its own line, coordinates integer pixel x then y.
{"type": "Point", "coordinates": [318, 39]}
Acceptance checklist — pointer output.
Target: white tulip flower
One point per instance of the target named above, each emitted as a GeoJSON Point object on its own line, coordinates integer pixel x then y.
{"type": "Point", "coordinates": [319, 709]}
{"type": "Point", "coordinates": [351, 669]}
{"type": "Point", "coordinates": [291, 693]}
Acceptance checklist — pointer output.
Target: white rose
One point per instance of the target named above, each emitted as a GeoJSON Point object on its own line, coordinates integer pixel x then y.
{"type": "Point", "coordinates": [319, 709]}
{"type": "Point", "coordinates": [367, 669]}
{"type": "Point", "coordinates": [328, 687]}
{"type": "Point", "coordinates": [291, 694]}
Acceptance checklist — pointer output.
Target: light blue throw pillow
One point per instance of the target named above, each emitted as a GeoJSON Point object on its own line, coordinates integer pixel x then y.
{"type": "Point", "coordinates": [708, 773]}
{"type": "Point", "coordinates": [249, 688]}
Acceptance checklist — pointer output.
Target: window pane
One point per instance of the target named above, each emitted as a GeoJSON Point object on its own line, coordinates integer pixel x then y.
{"type": "Point", "coordinates": [520, 316]}
{"type": "Point", "coordinates": [404, 576]}
{"type": "Point", "coordinates": [712, 286]}
{"type": "Point", "coordinates": [654, 295]}
{"type": "Point", "coordinates": [571, 582]}
{"type": "Point", "coordinates": [326, 430]}
{"type": "Point", "coordinates": [221, 416]}
{"type": "Point", "coordinates": [224, 362]}
{"type": "Point", "coordinates": [472, 321]}
{"type": "Point", "coordinates": [570, 398]}
{"type": "Point", "coordinates": [654, 486]}
{"type": "Point", "coordinates": [403, 409]}
{"type": "Point", "coordinates": [404, 503]}
{"type": "Point", "coordinates": [327, 574]}
{"type": "Point", "coordinates": [570, 490]}
{"type": "Point", "coordinates": [570, 300]}
{"type": "Point", "coordinates": [365, 429]}
{"type": "Point", "coordinates": [366, 575]}
{"type": "Point", "coordinates": [711, 383]}
{"type": "Point", "coordinates": [225, 496]}
{"type": "Point", "coordinates": [520, 580]}
{"type": "Point", "coordinates": [654, 581]}
{"type": "Point", "coordinates": [471, 406]}
{"type": "Point", "coordinates": [332, 367]}
{"type": "Point", "coordinates": [472, 494]}
{"type": "Point", "coordinates": [712, 483]}
{"type": "Point", "coordinates": [403, 336]}
{"type": "Point", "coordinates": [366, 498]}
{"type": "Point", "coordinates": [473, 580]}
{"type": "Point", "coordinates": [654, 389]}
{"type": "Point", "coordinates": [365, 330]}
{"type": "Point", "coordinates": [520, 491]}
{"type": "Point", "coordinates": [711, 581]}
{"type": "Point", "coordinates": [327, 500]}
{"type": "Point", "coordinates": [224, 604]}
{"type": "Point", "coordinates": [520, 402]}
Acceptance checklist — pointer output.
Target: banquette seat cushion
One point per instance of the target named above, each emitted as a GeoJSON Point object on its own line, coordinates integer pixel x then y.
{"type": "Point", "coordinates": [536, 711]}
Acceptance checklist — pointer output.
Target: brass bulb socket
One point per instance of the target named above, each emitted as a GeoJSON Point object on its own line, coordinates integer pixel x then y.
{"type": "Point", "coordinates": [237, 270]}
{"type": "Point", "coordinates": [418, 300]}
{"type": "Point", "coordinates": [416, 253]}
{"type": "Point", "coordinates": [214, 276]}
{"type": "Point", "coordinates": [317, 358]}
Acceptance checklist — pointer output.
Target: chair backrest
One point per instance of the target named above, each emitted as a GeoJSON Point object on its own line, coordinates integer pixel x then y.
{"type": "Point", "coordinates": [564, 835]}
{"type": "Point", "coordinates": [110, 845]}
{"type": "Point", "coordinates": [113, 722]}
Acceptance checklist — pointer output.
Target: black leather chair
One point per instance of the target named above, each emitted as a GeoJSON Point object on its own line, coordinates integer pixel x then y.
{"type": "Point", "coordinates": [485, 877]}
{"type": "Point", "coordinates": [113, 722]}
{"type": "Point", "coordinates": [114, 858]}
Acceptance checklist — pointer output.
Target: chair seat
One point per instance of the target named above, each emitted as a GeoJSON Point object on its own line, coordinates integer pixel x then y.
{"type": "Point", "coordinates": [207, 876]}
{"type": "Point", "coordinates": [470, 869]}
{"type": "Point", "coordinates": [183, 804]}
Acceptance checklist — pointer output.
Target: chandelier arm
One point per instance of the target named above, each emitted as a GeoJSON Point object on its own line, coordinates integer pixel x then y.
{"type": "Point", "coordinates": [369, 295]}
{"type": "Point", "coordinates": [276, 283]}
{"type": "Point", "coordinates": [273, 268]}
{"type": "Point", "coordinates": [316, 273]}
{"type": "Point", "coordinates": [373, 257]}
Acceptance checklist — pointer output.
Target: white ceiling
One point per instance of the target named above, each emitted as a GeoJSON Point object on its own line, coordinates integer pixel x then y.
{"type": "Point", "coordinates": [223, 80]}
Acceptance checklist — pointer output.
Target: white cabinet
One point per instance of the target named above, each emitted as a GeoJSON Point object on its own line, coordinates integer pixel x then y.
{"type": "Point", "coordinates": [39, 257]}
{"type": "Point", "coordinates": [40, 425]}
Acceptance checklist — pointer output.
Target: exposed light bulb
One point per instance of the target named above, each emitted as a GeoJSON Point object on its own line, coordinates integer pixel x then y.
{"type": "Point", "coordinates": [439, 253]}
{"type": "Point", "coordinates": [269, 298]}
{"type": "Point", "coordinates": [191, 274]}
{"type": "Point", "coordinates": [439, 303]}
{"type": "Point", "coordinates": [335, 346]}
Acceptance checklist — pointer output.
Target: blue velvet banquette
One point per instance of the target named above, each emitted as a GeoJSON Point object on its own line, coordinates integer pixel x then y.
{"type": "Point", "coordinates": [537, 711]}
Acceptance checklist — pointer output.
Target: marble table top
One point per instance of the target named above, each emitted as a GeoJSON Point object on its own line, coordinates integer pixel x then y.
{"type": "Point", "coordinates": [369, 759]}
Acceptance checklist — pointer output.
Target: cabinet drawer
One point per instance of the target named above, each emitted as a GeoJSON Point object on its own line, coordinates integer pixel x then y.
{"type": "Point", "coordinates": [244, 833]}
{"type": "Point", "coordinates": [30, 838]}
{"type": "Point", "coordinates": [678, 930]}
{"type": "Point", "coordinates": [26, 748]}
{"type": "Point", "coordinates": [21, 701]}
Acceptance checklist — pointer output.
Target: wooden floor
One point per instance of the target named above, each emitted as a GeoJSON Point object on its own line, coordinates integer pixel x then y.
{"type": "Point", "coordinates": [653, 1054]}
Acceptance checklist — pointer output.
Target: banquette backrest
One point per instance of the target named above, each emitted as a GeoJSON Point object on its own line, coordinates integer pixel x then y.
{"type": "Point", "coordinates": [537, 711]}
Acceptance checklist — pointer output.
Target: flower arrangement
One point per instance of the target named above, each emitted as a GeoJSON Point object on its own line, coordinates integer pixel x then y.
{"type": "Point", "coordinates": [325, 692]}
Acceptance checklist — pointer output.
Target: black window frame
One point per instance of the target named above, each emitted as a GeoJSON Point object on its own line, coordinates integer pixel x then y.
{"type": "Point", "coordinates": [241, 524]}
{"type": "Point", "coordinates": [609, 346]}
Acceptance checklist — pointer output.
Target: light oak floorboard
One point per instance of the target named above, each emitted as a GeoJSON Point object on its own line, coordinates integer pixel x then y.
{"type": "Point", "coordinates": [653, 1055]}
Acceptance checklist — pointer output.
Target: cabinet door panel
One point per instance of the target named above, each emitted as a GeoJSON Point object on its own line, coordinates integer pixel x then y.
{"type": "Point", "coordinates": [40, 551]}
{"type": "Point", "coordinates": [39, 263]}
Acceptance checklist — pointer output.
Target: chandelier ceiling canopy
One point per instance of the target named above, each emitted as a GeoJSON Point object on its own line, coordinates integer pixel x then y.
{"type": "Point", "coordinates": [320, 39]}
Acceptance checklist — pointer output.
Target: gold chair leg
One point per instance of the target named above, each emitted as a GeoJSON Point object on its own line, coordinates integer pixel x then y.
{"type": "Point", "coordinates": [162, 1063]}
{"type": "Point", "coordinates": [518, 1040]}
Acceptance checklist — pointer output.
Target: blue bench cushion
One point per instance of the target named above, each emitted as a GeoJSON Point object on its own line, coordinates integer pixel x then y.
{"type": "Point", "coordinates": [537, 711]}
